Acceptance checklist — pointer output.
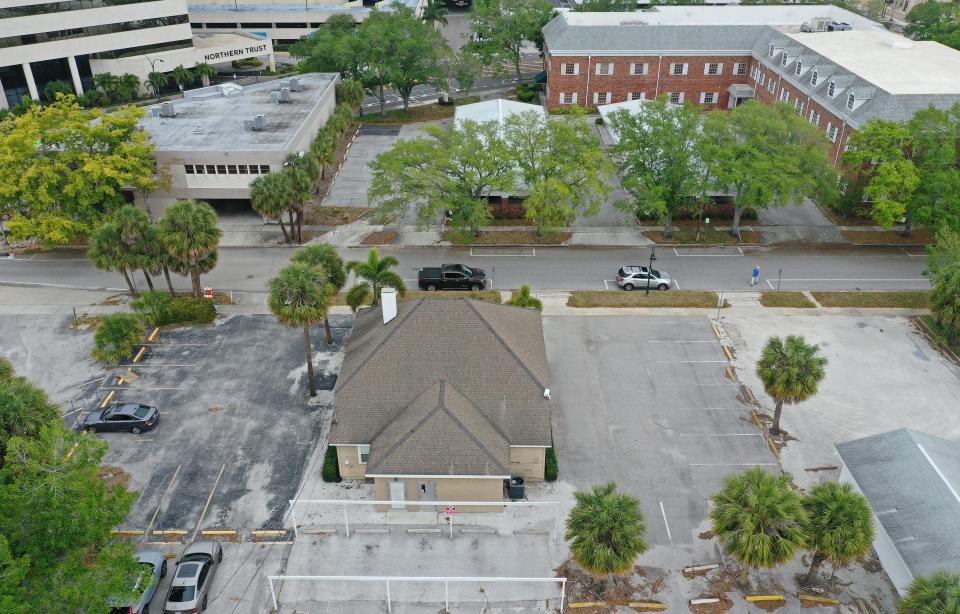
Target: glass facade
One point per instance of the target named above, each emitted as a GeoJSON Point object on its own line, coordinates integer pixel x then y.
{"type": "Point", "coordinates": [60, 7]}
{"type": "Point", "coordinates": [127, 26]}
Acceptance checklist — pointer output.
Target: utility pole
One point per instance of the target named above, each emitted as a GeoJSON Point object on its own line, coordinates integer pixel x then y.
{"type": "Point", "coordinates": [653, 256]}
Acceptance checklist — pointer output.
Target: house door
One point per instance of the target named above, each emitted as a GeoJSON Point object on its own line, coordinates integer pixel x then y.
{"type": "Point", "coordinates": [398, 494]}
{"type": "Point", "coordinates": [427, 490]}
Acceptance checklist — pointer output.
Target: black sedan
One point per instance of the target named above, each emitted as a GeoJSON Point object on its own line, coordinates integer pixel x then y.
{"type": "Point", "coordinates": [133, 417]}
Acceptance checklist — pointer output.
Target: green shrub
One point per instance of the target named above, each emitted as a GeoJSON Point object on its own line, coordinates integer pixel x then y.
{"type": "Point", "coordinates": [247, 63]}
{"type": "Point", "coordinates": [598, 121]}
{"type": "Point", "coordinates": [159, 309]}
{"type": "Point", "coordinates": [526, 93]}
{"type": "Point", "coordinates": [331, 466]}
{"type": "Point", "coordinates": [6, 369]}
{"type": "Point", "coordinates": [573, 109]}
{"type": "Point", "coordinates": [551, 469]}
{"type": "Point", "coordinates": [116, 338]}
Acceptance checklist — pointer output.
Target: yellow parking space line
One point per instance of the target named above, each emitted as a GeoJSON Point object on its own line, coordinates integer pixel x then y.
{"type": "Point", "coordinates": [154, 335]}
{"type": "Point", "coordinates": [727, 351]}
{"type": "Point", "coordinates": [169, 532]}
{"type": "Point", "coordinates": [227, 534]}
{"type": "Point", "coordinates": [586, 604]}
{"type": "Point", "coordinates": [107, 399]}
{"type": "Point", "coordinates": [127, 532]}
{"type": "Point", "coordinates": [819, 599]}
{"type": "Point", "coordinates": [649, 605]}
{"type": "Point", "coordinates": [143, 350]}
{"type": "Point", "coordinates": [131, 376]}
{"type": "Point", "coordinates": [716, 331]}
{"type": "Point", "coordinates": [756, 598]}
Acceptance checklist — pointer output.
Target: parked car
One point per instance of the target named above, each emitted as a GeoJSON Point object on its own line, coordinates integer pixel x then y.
{"type": "Point", "coordinates": [630, 277]}
{"type": "Point", "coordinates": [191, 584]}
{"type": "Point", "coordinates": [452, 277]}
{"type": "Point", "coordinates": [153, 567]}
{"type": "Point", "coordinates": [133, 417]}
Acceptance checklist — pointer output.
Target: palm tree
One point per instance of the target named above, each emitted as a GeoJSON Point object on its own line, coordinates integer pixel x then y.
{"type": "Point", "coordinates": [791, 371]}
{"type": "Point", "coordinates": [758, 518]}
{"type": "Point", "coordinates": [323, 149]}
{"type": "Point", "coordinates": [434, 12]}
{"type": "Point", "coordinates": [331, 266]}
{"type": "Point", "coordinates": [128, 87]}
{"type": "Point", "coordinates": [606, 530]}
{"type": "Point", "coordinates": [350, 92]}
{"type": "Point", "coordinates": [108, 83]}
{"type": "Point", "coordinates": [157, 80]}
{"type": "Point", "coordinates": [271, 196]}
{"type": "Point", "coordinates": [183, 76]}
{"type": "Point", "coordinates": [133, 225]}
{"type": "Point", "coordinates": [300, 297]}
{"type": "Point", "coordinates": [108, 252]}
{"type": "Point", "coordinates": [116, 337]}
{"type": "Point", "coordinates": [525, 299]}
{"type": "Point", "coordinates": [190, 233]}
{"type": "Point", "coordinates": [204, 71]}
{"type": "Point", "coordinates": [373, 274]}
{"type": "Point", "coordinates": [938, 594]}
{"type": "Point", "coordinates": [839, 525]}
{"type": "Point", "coordinates": [155, 257]}
{"type": "Point", "coordinates": [303, 172]}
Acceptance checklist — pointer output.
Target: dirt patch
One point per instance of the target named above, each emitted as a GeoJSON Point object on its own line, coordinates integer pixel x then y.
{"type": "Point", "coordinates": [706, 535]}
{"type": "Point", "coordinates": [310, 235]}
{"type": "Point", "coordinates": [381, 237]}
{"type": "Point", "coordinates": [85, 322]}
{"type": "Point", "coordinates": [720, 607]}
{"type": "Point", "coordinates": [332, 215]}
{"type": "Point", "coordinates": [511, 221]}
{"type": "Point", "coordinates": [113, 476]}
{"type": "Point", "coordinates": [708, 237]}
{"type": "Point", "coordinates": [872, 565]}
{"type": "Point", "coordinates": [771, 605]}
{"type": "Point", "coordinates": [216, 410]}
{"type": "Point", "coordinates": [888, 237]}
{"type": "Point", "coordinates": [621, 298]}
{"type": "Point", "coordinates": [116, 299]}
{"type": "Point", "coordinates": [507, 237]}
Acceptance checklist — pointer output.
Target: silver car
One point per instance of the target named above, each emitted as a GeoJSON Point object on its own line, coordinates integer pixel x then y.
{"type": "Point", "coordinates": [630, 277]}
{"type": "Point", "coordinates": [191, 584]}
{"type": "Point", "coordinates": [153, 567]}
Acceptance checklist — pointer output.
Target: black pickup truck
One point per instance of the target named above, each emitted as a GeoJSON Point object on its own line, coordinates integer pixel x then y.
{"type": "Point", "coordinates": [451, 277]}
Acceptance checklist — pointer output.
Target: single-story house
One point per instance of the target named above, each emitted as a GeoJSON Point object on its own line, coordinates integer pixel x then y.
{"type": "Point", "coordinates": [912, 481]}
{"type": "Point", "coordinates": [442, 399]}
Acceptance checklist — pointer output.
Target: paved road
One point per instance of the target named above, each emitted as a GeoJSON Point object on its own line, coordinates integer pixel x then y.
{"type": "Point", "coordinates": [545, 268]}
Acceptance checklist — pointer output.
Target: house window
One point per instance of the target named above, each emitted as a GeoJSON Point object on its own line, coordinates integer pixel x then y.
{"type": "Point", "coordinates": [761, 78]}
{"type": "Point", "coordinates": [264, 169]}
{"type": "Point", "coordinates": [713, 69]}
{"type": "Point", "coordinates": [602, 97]}
{"type": "Point", "coordinates": [772, 50]}
{"type": "Point", "coordinates": [638, 69]}
{"type": "Point", "coordinates": [637, 96]}
{"type": "Point", "coordinates": [188, 169]}
{"type": "Point", "coordinates": [739, 69]}
{"type": "Point", "coordinates": [570, 69]}
{"type": "Point", "coordinates": [679, 69]}
{"type": "Point", "coordinates": [568, 98]}
{"type": "Point", "coordinates": [814, 118]}
{"type": "Point", "coordinates": [832, 132]}
{"type": "Point", "coordinates": [814, 77]}
{"type": "Point", "coordinates": [675, 97]}
{"type": "Point", "coordinates": [799, 68]}
{"type": "Point", "coordinates": [784, 94]}
{"type": "Point", "coordinates": [798, 105]}
{"type": "Point", "coordinates": [753, 72]}
{"type": "Point", "coordinates": [363, 453]}
{"type": "Point", "coordinates": [604, 68]}
{"type": "Point", "coordinates": [772, 86]}
{"type": "Point", "coordinates": [783, 60]}
{"type": "Point", "coordinates": [851, 99]}
{"type": "Point", "coordinates": [198, 169]}
{"type": "Point", "coordinates": [708, 97]}
{"type": "Point", "coordinates": [832, 89]}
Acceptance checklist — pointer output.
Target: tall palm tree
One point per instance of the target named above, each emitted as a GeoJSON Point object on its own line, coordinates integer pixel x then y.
{"type": "Point", "coordinates": [938, 594]}
{"type": "Point", "coordinates": [323, 149]}
{"type": "Point", "coordinates": [304, 173]}
{"type": "Point", "coordinates": [373, 274]}
{"type": "Point", "coordinates": [525, 299]}
{"type": "Point", "coordinates": [839, 525]}
{"type": "Point", "coordinates": [183, 76]}
{"type": "Point", "coordinates": [107, 82]}
{"type": "Point", "coordinates": [155, 257]}
{"type": "Point", "coordinates": [190, 233]}
{"type": "Point", "coordinates": [758, 519]}
{"type": "Point", "coordinates": [271, 196]}
{"type": "Point", "coordinates": [157, 80]}
{"type": "Point", "coordinates": [435, 12]}
{"type": "Point", "coordinates": [606, 530]}
{"type": "Point", "coordinates": [350, 92]}
{"type": "Point", "coordinates": [331, 266]}
{"type": "Point", "coordinates": [204, 71]}
{"type": "Point", "coordinates": [300, 297]}
{"type": "Point", "coordinates": [128, 87]}
{"type": "Point", "coordinates": [133, 225]}
{"type": "Point", "coordinates": [108, 252]}
{"type": "Point", "coordinates": [791, 371]}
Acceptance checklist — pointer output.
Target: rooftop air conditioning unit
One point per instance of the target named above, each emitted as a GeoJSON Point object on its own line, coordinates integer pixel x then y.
{"type": "Point", "coordinates": [282, 96]}
{"type": "Point", "coordinates": [167, 110]}
{"type": "Point", "coordinates": [295, 84]}
{"type": "Point", "coordinates": [839, 26]}
{"type": "Point", "coordinates": [155, 111]}
{"type": "Point", "coordinates": [260, 122]}
{"type": "Point", "coordinates": [817, 24]}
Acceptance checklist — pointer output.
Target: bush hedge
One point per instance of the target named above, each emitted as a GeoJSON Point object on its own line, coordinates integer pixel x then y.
{"type": "Point", "coordinates": [159, 308]}
{"type": "Point", "coordinates": [331, 467]}
{"type": "Point", "coordinates": [552, 470]}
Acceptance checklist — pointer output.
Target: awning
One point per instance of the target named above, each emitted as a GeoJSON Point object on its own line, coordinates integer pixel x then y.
{"type": "Point", "coordinates": [741, 90]}
{"type": "Point", "coordinates": [541, 77]}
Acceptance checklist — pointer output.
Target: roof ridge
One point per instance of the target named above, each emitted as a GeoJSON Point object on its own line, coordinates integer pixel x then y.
{"type": "Point", "coordinates": [467, 431]}
{"type": "Point", "coordinates": [410, 432]}
{"type": "Point", "coordinates": [397, 326]}
{"type": "Point", "coordinates": [479, 411]}
{"type": "Point", "coordinates": [493, 331]}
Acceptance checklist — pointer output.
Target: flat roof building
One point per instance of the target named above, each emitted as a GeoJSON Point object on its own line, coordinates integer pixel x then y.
{"type": "Point", "coordinates": [218, 139]}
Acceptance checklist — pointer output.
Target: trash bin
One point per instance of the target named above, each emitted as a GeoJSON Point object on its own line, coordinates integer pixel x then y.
{"type": "Point", "coordinates": [518, 489]}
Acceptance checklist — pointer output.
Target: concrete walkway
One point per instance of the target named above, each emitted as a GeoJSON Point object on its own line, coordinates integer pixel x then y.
{"type": "Point", "coordinates": [801, 222]}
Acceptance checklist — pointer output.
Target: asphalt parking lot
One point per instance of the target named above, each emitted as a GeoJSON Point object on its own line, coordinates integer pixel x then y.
{"type": "Point", "coordinates": [647, 401]}
{"type": "Point", "coordinates": [236, 429]}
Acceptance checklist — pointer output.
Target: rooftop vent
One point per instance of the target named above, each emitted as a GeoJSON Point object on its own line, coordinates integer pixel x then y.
{"type": "Point", "coordinates": [817, 24]}
{"type": "Point", "coordinates": [282, 96]}
{"type": "Point", "coordinates": [258, 123]}
{"type": "Point", "coordinates": [839, 26]}
{"type": "Point", "coordinates": [199, 129]}
{"type": "Point", "coordinates": [167, 110]}
{"type": "Point", "coordinates": [295, 84]}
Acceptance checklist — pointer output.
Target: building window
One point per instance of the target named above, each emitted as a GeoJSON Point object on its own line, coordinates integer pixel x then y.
{"type": "Point", "coordinates": [638, 69]}
{"type": "Point", "coordinates": [832, 132]}
{"type": "Point", "coordinates": [601, 97]}
{"type": "Point", "coordinates": [798, 105]}
{"type": "Point", "coordinates": [814, 118]}
{"type": "Point", "coordinates": [568, 98]}
{"type": "Point", "coordinates": [188, 169]}
{"type": "Point", "coordinates": [708, 97]}
{"type": "Point", "coordinates": [679, 69]}
{"type": "Point", "coordinates": [211, 169]}
{"type": "Point", "coordinates": [264, 169]}
{"type": "Point", "coordinates": [570, 69]}
{"type": "Point", "coordinates": [832, 89]}
{"type": "Point", "coordinates": [253, 169]}
{"type": "Point", "coordinates": [739, 69]}
{"type": "Point", "coordinates": [799, 68]}
{"type": "Point", "coordinates": [772, 86]}
{"type": "Point", "coordinates": [221, 169]}
{"type": "Point", "coordinates": [604, 68]}
{"type": "Point", "coordinates": [242, 169]}
{"type": "Point", "coordinates": [814, 77]}
{"type": "Point", "coordinates": [783, 59]}
{"type": "Point", "coordinates": [713, 69]}
{"type": "Point", "coordinates": [772, 50]}
{"type": "Point", "coordinates": [761, 78]}
{"type": "Point", "coordinates": [637, 96]}
{"type": "Point", "coordinates": [851, 99]}
{"type": "Point", "coordinates": [753, 72]}
{"type": "Point", "coordinates": [675, 97]}
{"type": "Point", "coordinates": [231, 169]}
{"type": "Point", "coordinates": [784, 94]}
{"type": "Point", "coordinates": [363, 454]}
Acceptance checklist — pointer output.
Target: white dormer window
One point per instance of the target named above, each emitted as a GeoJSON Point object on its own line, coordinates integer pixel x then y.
{"type": "Point", "coordinates": [799, 68]}
{"type": "Point", "coordinates": [851, 99]}
{"type": "Point", "coordinates": [783, 60]}
{"type": "Point", "coordinates": [814, 77]}
{"type": "Point", "coordinates": [832, 89]}
{"type": "Point", "coordinates": [772, 50]}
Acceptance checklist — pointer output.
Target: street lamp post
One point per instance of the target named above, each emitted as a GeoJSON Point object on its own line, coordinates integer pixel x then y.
{"type": "Point", "coordinates": [653, 256]}
{"type": "Point", "coordinates": [153, 63]}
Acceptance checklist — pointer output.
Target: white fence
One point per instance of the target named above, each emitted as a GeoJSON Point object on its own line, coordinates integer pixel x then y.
{"type": "Point", "coordinates": [446, 581]}
{"type": "Point", "coordinates": [515, 516]}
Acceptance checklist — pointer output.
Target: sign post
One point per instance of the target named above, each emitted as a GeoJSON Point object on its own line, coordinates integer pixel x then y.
{"type": "Point", "coordinates": [720, 299]}
{"type": "Point", "coordinates": [451, 510]}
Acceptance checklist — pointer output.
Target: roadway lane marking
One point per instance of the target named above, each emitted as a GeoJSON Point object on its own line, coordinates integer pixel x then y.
{"type": "Point", "coordinates": [36, 284]}
{"type": "Point", "coordinates": [137, 388]}
{"type": "Point", "coordinates": [207, 504]}
{"type": "Point", "coordinates": [163, 497]}
{"type": "Point", "coordinates": [665, 523]}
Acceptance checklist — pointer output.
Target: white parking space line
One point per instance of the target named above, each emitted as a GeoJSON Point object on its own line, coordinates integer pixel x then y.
{"type": "Point", "coordinates": [708, 255]}
{"type": "Point", "coordinates": [137, 388]}
{"type": "Point", "coordinates": [682, 341]}
{"type": "Point", "coordinates": [163, 497]}
{"type": "Point", "coordinates": [719, 435]}
{"type": "Point", "coordinates": [676, 283]}
{"type": "Point", "coordinates": [688, 361]}
{"type": "Point", "coordinates": [533, 252]}
{"type": "Point", "coordinates": [846, 279]}
{"type": "Point", "coordinates": [99, 379]}
{"type": "Point", "coordinates": [154, 366]}
{"type": "Point", "coordinates": [207, 504]}
{"type": "Point", "coordinates": [733, 464]}
{"type": "Point", "coordinates": [607, 282]}
{"type": "Point", "coordinates": [906, 253]}
{"type": "Point", "coordinates": [665, 523]}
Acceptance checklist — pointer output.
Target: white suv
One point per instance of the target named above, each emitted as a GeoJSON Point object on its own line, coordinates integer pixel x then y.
{"type": "Point", "coordinates": [630, 277]}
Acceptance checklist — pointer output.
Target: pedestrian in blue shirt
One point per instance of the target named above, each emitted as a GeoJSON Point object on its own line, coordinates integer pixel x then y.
{"type": "Point", "coordinates": [755, 279]}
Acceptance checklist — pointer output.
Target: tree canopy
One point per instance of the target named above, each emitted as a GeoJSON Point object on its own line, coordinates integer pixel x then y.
{"type": "Point", "coordinates": [62, 168]}
{"type": "Point", "coordinates": [606, 530]}
{"type": "Point", "coordinates": [791, 371]}
{"type": "Point", "coordinates": [606, 6]}
{"type": "Point", "coordinates": [839, 524]}
{"type": "Point", "coordinates": [938, 593]}
{"type": "Point", "coordinates": [935, 21]}
{"type": "Point", "coordinates": [502, 27]}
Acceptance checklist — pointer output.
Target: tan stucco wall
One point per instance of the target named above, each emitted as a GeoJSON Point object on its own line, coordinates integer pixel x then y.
{"type": "Point", "coordinates": [528, 462]}
{"type": "Point", "coordinates": [354, 469]}
{"type": "Point", "coordinates": [448, 489]}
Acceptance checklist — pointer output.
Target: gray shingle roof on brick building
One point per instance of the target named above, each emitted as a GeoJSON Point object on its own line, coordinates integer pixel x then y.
{"type": "Point", "coordinates": [912, 480]}
{"type": "Point", "coordinates": [488, 360]}
{"type": "Point", "coordinates": [561, 37]}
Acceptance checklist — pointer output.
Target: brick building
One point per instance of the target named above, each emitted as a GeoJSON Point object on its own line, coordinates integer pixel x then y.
{"type": "Point", "coordinates": [717, 57]}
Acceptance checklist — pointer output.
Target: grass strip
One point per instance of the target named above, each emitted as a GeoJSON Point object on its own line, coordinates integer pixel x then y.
{"type": "Point", "coordinates": [909, 299]}
{"type": "Point", "coordinates": [785, 299]}
{"type": "Point", "coordinates": [424, 113]}
{"type": "Point", "coordinates": [888, 237]}
{"type": "Point", "coordinates": [506, 237]}
{"type": "Point", "coordinates": [638, 298]}
{"type": "Point", "coordinates": [708, 237]}
{"type": "Point", "coordinates": [491, 296]}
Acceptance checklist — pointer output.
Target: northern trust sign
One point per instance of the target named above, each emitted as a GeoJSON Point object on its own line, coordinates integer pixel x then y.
{"type": "Point", "coordinates": [236, 52]}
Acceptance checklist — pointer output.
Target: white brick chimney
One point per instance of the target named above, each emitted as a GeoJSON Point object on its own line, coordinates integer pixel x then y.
{"type": "Point", "coordinates": [388, 304]}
